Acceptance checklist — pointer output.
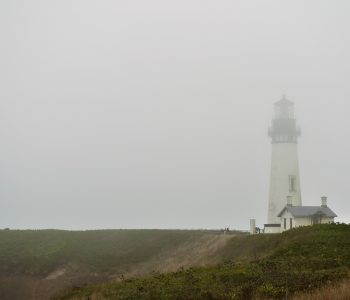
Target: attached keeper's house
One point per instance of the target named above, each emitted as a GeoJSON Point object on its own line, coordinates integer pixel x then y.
{"type": "Point", "coordinates": [295, 216]}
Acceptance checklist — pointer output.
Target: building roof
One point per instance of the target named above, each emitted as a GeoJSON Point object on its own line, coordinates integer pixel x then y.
{"type": "Point", "coordinates": [284, 101]}
{"type": "Point", "coordinates": [307, 211]}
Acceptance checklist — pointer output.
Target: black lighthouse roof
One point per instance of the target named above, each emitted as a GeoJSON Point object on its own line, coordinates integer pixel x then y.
{"type": "Point", "coordinates": [284, 101]}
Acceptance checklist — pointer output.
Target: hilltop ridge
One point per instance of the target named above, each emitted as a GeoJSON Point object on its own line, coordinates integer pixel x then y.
{"type": "Point", "coordinates": [273, 267]}
{"type": "Point", "coordinates": [171, 264]}
{"type": "Point", "coordinates": [38, 263]}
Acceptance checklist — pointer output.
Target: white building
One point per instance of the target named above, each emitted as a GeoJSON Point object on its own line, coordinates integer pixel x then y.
{"type": "Point", "coordinates": [285, 210]}
{"type": "Point", "coordinates": [284, 177]}
{"type": "Point", "coordinates": [296, 216]}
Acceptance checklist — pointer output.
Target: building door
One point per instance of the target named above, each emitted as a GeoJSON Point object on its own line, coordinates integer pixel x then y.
{"type": "Point", "coordinates": [316, 219]}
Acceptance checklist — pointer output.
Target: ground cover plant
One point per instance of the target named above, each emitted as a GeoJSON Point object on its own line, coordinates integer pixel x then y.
{"type": "Point", "coordinates": [302, 259]}
{"type": "Point", "coordinates": [35, 264]}
{"type": "Point", "coordinates": [39, 252]}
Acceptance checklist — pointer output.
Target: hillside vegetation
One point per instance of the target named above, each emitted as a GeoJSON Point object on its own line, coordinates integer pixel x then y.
{"type": "Point", "coordinates": [34, 264]}
{"type": "Point", "coordinates": [337, 291]}
{"type": "Point", "coordinates": [43, 251]}
{"type": "Point", "coordinates": [298, 260]}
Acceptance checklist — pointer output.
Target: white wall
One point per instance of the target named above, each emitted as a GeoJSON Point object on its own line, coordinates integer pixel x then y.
{"type": "Point", "coordinates": [306, 221]}
{"type": "Point", "coordinates": [288, 216]}
{"type": "Point", "coordinates": [252, 226]}
{"type": "Point", "coordinates": [327, 220]}
{"type": "Point", "coordinates": [272, 229]}
{"type": "Point", "coordinates": [284, 162]}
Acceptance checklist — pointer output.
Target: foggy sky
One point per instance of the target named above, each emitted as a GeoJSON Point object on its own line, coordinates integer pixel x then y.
{"type": "Point", "coordinates": [154, 114]}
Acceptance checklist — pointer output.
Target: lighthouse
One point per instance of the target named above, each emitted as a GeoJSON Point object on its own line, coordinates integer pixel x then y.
{"type": "Point", "coordinates": [284, 177]}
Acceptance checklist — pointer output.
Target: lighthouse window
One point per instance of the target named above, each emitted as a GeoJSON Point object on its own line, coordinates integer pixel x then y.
{"type": "Point", "coordinates": [292, 183]}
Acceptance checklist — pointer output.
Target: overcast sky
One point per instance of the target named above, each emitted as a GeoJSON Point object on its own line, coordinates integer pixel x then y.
{"type": "Point", "coordinates": [154, 114]}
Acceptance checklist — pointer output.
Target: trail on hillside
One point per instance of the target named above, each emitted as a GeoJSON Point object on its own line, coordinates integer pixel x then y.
{"type": "Point", "coordinates": [198, 251]}
{"type": "Point", "coordinates": [280, 266]}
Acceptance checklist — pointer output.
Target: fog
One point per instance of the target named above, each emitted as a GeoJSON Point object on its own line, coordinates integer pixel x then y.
{"type": "Point", "coordinates": [154, 114]}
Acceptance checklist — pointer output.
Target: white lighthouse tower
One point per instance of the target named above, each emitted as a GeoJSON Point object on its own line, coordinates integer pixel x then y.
{"type": "Point", "coordinates": [284, 180]}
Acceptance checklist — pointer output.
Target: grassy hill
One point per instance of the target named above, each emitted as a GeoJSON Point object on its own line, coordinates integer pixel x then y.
{"type": "Point", "coordinates": [43, 251]}
{"type": "Point", "coordinates": [257, 267]}
{"type": "Point", "coordinates": [35, 264]}
{"type": "Point", "coordinates": [170, 264]}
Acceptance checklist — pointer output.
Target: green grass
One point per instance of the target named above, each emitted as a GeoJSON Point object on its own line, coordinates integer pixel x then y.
{"type": "Point", "coordinates": [43, 251]}
{"type": "Point", "coordinates": [302, 259]}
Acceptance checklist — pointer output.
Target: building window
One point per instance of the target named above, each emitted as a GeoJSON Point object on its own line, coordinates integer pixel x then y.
{"type": "Point", "coordinates": [290, 223]}
{"type": "Point", "coordinates": [285, 223]}
{"type": "Point", "coordinates": [292, 183]}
